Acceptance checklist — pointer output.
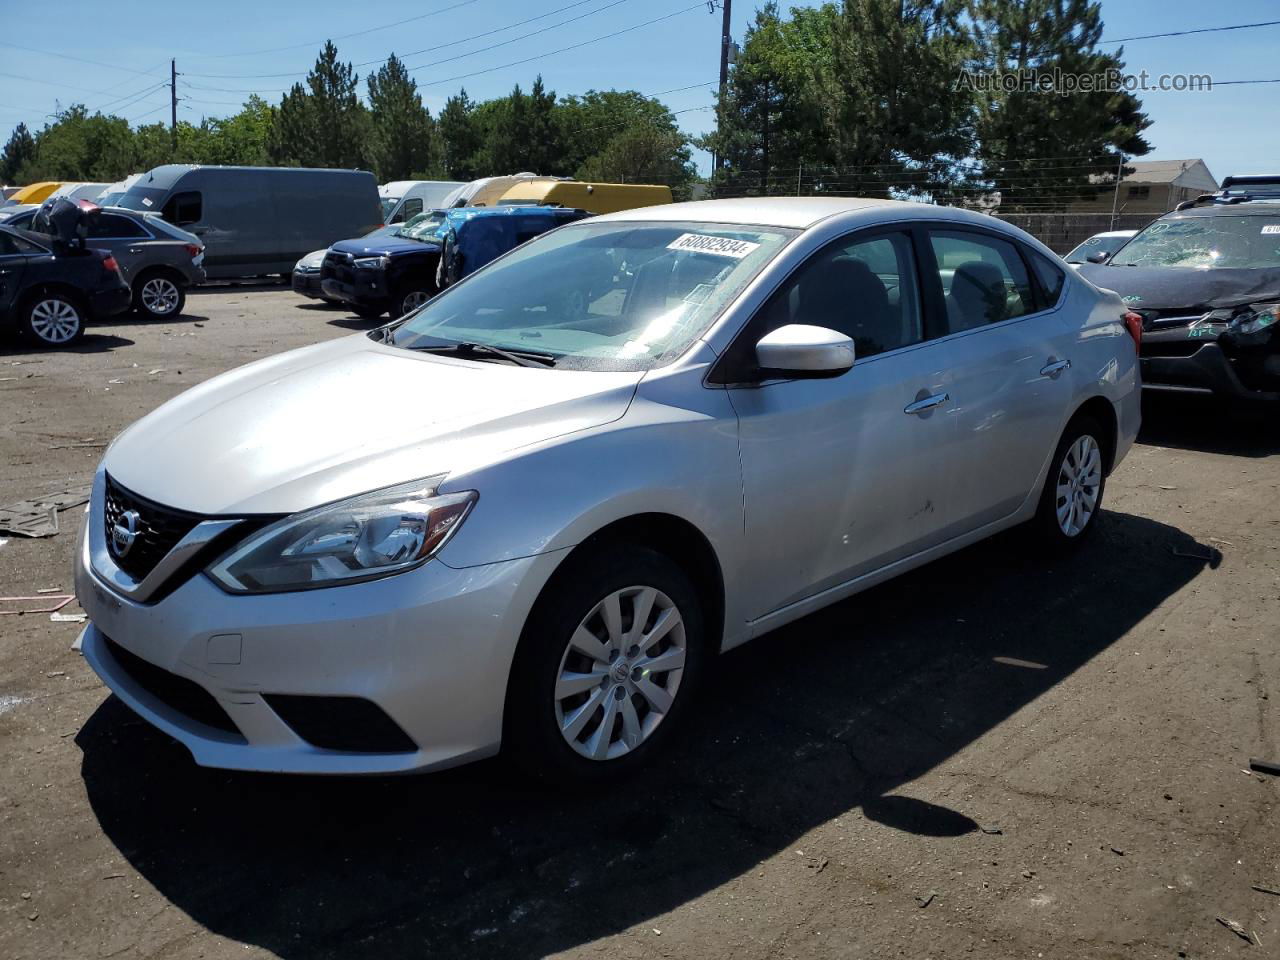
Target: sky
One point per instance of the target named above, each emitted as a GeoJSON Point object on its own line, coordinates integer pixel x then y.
{"type": "Point", "coordinates": [224, 49]}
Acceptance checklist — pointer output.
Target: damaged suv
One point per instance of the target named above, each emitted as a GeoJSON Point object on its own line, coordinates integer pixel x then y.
{"type": "Point", "coordinates": [1206, 281]}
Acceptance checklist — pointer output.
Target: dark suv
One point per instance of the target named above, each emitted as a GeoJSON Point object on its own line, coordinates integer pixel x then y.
{"type": "Point", "coordinates": [158, 260]}
{"type": "Point", "coordinates": [1206, 281]}
{"type": "Point", "coordinates": [49, 289]}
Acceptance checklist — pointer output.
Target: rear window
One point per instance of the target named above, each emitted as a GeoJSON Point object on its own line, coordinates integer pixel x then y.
{"type": "Point", "coordinates": [111, 226]}
{"type": "Point", "coordinates": [1050, 276]}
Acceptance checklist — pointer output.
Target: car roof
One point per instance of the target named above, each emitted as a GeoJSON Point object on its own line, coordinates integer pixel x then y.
{"type": "Point", "coordinates": [1247, 208]}
{"type": "Point", "coordinates": [799, 212]}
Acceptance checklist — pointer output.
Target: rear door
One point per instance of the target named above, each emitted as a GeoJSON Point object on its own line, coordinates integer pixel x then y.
{"type": "Point", "coordinates": [1006, 354]}
{"type": "Point", "coordinates": [13, 259]}
{"type": "Point", "coordinates": [125, 238]}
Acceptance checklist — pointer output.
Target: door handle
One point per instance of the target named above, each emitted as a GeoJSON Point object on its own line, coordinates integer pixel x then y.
{"type": "Point", "coordinates": [928, 403]}
{"type": "Point", "coordinates": [1055, 367]}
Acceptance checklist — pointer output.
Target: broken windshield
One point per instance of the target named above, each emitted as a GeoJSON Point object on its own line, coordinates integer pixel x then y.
{"type": "Point", "coordinates": [1240, 242]}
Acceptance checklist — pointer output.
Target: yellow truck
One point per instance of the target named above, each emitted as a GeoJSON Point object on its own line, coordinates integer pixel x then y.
{"type": "Point", "coordinates": [592, 197]}
{"type": "Point", "coordinates": [36, 192]}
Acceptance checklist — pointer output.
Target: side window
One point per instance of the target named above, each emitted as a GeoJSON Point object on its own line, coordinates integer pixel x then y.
{"type": "Point", "coordinates": [865, 289]}
{"type": "Point", "coordinates": [7, 247]}
{"type": "Point", "coordinates": [1050, 276]}
{"type": "Point", "coordinates": [19, 245]}
{"type": "Point", "coordinates": [412, 207]}
{"type": "Point", "coordinates": [112, 225]}
{"type": "Point", "coordinates": [184, 208]}
{"type": "Point", "coordinates": [983, 279]}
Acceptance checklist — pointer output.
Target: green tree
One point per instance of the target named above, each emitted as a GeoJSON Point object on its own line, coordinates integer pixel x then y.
{"type": "Point", "coordinates": [404, 135]}
{"type": "Point", "coordinates": [506, 144]}
{"type": "Point", "coordinates": [82, 146]}
{"type": "Point", "coordinates": [1084, 132]}
{"type": "Point", "coordinates": [460, 137]}
{"type": "Point", "coordinates": [323, 124]}
{"type": "Point", "coordinates": [242, 138]}
{"type": "Point", "coordinates": [644, 153]}
{"type": "Point", "coordinates": [17, 153]}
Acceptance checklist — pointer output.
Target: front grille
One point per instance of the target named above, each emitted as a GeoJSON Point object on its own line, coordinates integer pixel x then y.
{"type": "Point", "coordinates": [349, 724]}
{"type": "Point", "coordinates": [178, 693]}
{"type": "Point", "coordinates": [158, 529]}
{"type": "Point", "coordinates": [337, 266]}
{"type": "Point", "coordinates": [1171, 348]}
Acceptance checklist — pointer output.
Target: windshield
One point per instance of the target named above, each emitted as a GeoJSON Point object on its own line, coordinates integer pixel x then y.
{"type": "Point", "coordinates": [110, 199]}
{"type": "Point", "coordinates": [1205, 242]}
{"type": "Point", "coordinates": [600, 296]}
{"type": "Point", "coordinates": [1094, 245]}
{"type": "Point", "coordinates": [143, 198]}
{"type": "Point", "coordinates": [423, 226]}
{"type": "Point", "coordinates": [388, 204]}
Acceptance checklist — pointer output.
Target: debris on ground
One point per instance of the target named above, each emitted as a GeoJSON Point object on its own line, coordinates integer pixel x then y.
{"type": "Point", "coordinates": [1264, 766]}
{"type": "Point", "coordinates": [68, 617]}
{"type": "Point", "coordinates": [927, 899]}
{"type": "Point", "coordinates": [1235, 928]}
{"type": "Point", "coordinates": [50, 603]}
{"type": "Point", "coordinates": [38, 517]}
{"type": "Point", "coordinates": [1262, 889]}
{"type": "Point", "coordinates": [1117, 851]}
{"type": "Point", "coordinates": [991, 828]}
{"type": "Point", "coordinates": [1204, 553]}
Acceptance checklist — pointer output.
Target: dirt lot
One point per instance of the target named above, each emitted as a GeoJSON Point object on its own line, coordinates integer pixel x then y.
{"type": "Point", "coordinates": [992, 756]}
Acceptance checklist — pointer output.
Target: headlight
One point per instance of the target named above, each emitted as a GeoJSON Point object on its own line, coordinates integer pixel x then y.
{"type": "Point", "coordinates": [1263, 315]}
{"type": "Point", "coordinates": [373, 535]}
{"type": "Point", "coordinates": [370, 263]}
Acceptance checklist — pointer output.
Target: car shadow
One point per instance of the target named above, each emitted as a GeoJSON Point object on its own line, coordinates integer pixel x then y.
{"type": "Point", "coordinates": [1209, 424]}
{"type": "Point", "coordinates": [90, 343]}
{"type": "Point", "coordinates": [835, 712]}
{"type": "Point", "coordinates": [131, 319]}
{"type": "Point", "coordinates": [353, 322]}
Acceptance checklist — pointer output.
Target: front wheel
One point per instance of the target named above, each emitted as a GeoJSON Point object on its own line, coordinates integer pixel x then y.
{"type": "Point", "coordinates": [53, 319]}
{"type": "Point", "coordinates": [158, 297]}
{"type": "Point", "coordinates": [1072, 494]}
{"type": "Point", "coordinates": [607, 666]}
{"type": "Point", "coordinates": [411, 300]}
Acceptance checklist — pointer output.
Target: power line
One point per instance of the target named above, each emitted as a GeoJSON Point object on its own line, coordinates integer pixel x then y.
{"type": "Point", "coordinates": [345, 36]}
{"type": "Point", "coordinates": [67, 56]}
{"type": "Point", "coordinates": [1187, 33]}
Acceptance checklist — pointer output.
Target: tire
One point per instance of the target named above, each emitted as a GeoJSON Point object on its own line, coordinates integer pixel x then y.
{"type": "Point", "coordinates": [368, 313]}
{"type": "Point", "coordinates": [410, 300]}
{"type": "Point", "coordinates": [52, 320]}
{"type": "Point", "coordinates": [159, 296]}
{"type": "Point", "coordinates": [1072, 497]}
{"type": "Point", "coordinates": [556, 709]}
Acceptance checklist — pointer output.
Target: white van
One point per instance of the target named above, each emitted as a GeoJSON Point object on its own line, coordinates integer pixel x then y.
{"type": "Point", "coordinates": [404, 199]}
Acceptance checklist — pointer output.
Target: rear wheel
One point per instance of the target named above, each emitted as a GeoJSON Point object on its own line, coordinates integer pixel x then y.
{"type": "Point", "coordinates": [158, 296]}
{"type": "Point", "coordinates": [411, 300]}
{"type": "Point", "coordinates": [1073, 490]}
{"type": "Point", "coordinates": [53, 319]}
{"type": "Point", "coordinates": [607, 666]}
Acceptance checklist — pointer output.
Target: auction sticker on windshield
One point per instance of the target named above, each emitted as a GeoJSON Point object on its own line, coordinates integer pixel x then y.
{"type": "Point", "coordinates": [1271, 228]}
{"type": "Point", "coordinates": [720, 246]}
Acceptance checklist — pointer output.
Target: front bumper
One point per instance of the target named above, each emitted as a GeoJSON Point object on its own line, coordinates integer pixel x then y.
{"type": "Point", "coordinates": [307, 283]}
{"type": "Point", "coordinates": [361, 287]}
{"type": "Point", "coordinates": [431, 648]}
{"type": "Point", "coordinates": [107, 303]}
{"type": "Point", "coordinates": [1204, 369]}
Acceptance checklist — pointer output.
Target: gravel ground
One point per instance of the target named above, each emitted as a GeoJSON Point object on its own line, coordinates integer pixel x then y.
{"type": "Point", "coordinates": [996, 755]}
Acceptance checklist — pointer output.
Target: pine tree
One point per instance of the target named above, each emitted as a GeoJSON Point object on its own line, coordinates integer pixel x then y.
{"type": "Point", "coordinates": [404, 135]}
{"type": "Point", "coordinates": [545, 153]}
{"type": "Point", "coordinates": [459, 137]}
{"type": "Point", "coordinates": [323, 124]}
{"type": "Point", "coordinates": [19, 151]}
{"type": "Point", "coordinates": [1084, 132]}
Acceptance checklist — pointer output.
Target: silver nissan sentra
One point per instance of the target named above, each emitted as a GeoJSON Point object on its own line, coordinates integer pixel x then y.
{"type": "Point", "coordinates": [529, 515]}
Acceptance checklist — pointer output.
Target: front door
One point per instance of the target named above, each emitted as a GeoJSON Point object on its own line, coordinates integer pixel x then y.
{"type": "Point", "coordinates": [842, 476]}
{"type": "Point", "coordinates": [13, 258]}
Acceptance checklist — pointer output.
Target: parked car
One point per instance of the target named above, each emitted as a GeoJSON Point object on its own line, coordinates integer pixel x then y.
{"type": "Point", "coordinates": [35, 193]}
{"type": "Point", "coordinates": [16, 210]}
{"type": "Point", "coordinates": [400, 273]}
{"type": "Point", "coordinates": [110, 197]}
{"type": "Point", "coordinates": [485, 192]}
{"type": "Point", "coordinates": [157, 260]}
{"type": "Point", "coordinates": [1206, 281]}
{"type": "Point", "coordinates": [306, 272]}
{"type": "Point", "coordinates": [259, 220]}
{"type": "Point", "coordinates": [1099, 247]}
{"type": "Point", "coordinates": [49, 289]}
{"type": "Point", "coordinates": [402, 200]}
{"type": "Point", "coordinates": [592, 197]}
{"type": "Point", "coordinates": [79, 191]}
{"type": "Point", "coordinates": [549, 523]}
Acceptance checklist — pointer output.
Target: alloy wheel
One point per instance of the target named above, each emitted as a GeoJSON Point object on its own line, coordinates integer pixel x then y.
{"type": "Point", "coordinates": [54, 321]}
{"type": "Point", "coordinates": [1079, 478]}
{"type": "Point", "coordinates": [160, 296]}
{"type": "Point", "coordinates": [413, 300]}
{"type": "Point", "coordinates": [620, 673]}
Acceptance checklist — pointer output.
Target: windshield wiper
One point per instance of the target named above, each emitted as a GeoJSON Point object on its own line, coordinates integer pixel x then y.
{"type": "Point", "coordinates": [525, 358]}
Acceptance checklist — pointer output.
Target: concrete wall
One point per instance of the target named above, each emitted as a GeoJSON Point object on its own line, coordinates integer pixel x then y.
{"type": "Point", "coordinates": [1062, 231]}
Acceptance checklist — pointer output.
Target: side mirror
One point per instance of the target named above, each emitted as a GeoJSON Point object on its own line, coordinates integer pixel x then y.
{"type": "Point", "coordinates": [1100, 257]}
{"type": "Point", "coordinates": [800, 351]}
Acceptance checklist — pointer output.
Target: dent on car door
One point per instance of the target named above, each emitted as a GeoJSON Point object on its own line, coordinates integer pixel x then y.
{"type": "Point", "coordinates": [839, 478]}
{"type": "Point", "coordinates": [1006, 358]}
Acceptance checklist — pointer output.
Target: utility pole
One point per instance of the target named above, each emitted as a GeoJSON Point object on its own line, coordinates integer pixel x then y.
{"type": "Point", "coordinates": [173, 104]}
{"type": "Point", "coordinates": [726, 42]}
{"type": "Point", "coordinates": [1115, 199]}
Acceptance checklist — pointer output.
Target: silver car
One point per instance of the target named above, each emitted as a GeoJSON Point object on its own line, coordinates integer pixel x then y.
{"type": "Point", "coordinates": [620, 449]}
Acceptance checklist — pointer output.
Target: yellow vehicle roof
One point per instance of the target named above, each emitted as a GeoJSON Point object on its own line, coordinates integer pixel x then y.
{"type": "Point", "coordinates": [592, 197]}
{"type": "Point", "coordinates": [36, 192]}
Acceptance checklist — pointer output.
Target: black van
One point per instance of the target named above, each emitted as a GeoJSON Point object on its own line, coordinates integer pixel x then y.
{"type": "Point", "coordinates": [258, 220]}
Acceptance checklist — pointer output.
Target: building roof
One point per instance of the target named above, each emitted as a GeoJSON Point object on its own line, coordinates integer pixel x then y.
{"type": "Point", "coordinates": [1179, 173]}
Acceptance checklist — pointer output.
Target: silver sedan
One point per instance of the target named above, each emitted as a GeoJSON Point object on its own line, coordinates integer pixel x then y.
{"type": "Point", "coordinates": [529, 515]}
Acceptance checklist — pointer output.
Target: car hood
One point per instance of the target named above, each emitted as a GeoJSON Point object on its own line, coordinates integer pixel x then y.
{"type": "Point", "coordinates": [1177, 288]}
{"type": "Point", "coordinates": [344, 417]}
{"type": "Point", "coordinates": [391, 246]}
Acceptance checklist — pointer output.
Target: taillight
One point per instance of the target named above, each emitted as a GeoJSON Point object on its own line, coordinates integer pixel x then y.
{"type": "Point", "coordinates": [1133, 323]}
{"type": "Point", "coordinates": [109, 263]}
{"type": "Point", "coordinates": [194, 250]}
